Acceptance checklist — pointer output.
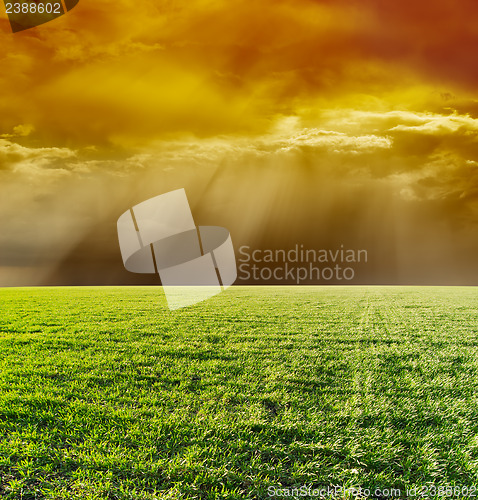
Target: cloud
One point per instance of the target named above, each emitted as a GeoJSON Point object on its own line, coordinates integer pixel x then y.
{"type": "Point", "coordinates": [110, 72]}
{"type": "Point", "coordinates": [27, 160]}
{"type": "Point", "coordinates": [327, 121]}
{"type": "Point", "coordinates": [23, 130]}
{"type": "Point", "coordinates": [434, 124]}
{"type": "Point", "coordinates": [336, 142]}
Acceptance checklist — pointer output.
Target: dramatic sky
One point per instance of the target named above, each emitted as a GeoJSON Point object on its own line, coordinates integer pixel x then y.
{"type": "Point", "coordinates": [314, 122]}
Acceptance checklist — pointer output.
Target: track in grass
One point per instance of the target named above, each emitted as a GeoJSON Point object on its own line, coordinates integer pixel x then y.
{"type": "Point", "coordinates": [105, 393]}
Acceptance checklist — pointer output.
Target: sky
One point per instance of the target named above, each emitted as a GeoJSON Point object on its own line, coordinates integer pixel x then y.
{"type": "Point", "coordinates": [304, 122]}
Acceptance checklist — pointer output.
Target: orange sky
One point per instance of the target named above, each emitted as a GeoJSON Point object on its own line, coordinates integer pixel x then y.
{"type": "Point", "coordinates": [312, 122]}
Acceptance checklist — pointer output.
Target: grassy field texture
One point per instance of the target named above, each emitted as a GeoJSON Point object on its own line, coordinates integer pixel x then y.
{"type": "Point", "coordinates": [105, 393]}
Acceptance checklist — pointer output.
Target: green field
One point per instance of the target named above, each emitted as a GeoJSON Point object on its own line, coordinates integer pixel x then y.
{"type": "Point", "coordinates": [105, 393]}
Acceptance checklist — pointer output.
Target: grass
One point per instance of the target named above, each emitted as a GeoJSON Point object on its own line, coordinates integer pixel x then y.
{"type": "Point", "coordinates": [106, 394]}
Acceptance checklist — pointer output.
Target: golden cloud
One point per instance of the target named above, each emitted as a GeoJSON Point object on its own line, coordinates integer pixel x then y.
{"type": "Point", "coordinates": [363, 114]}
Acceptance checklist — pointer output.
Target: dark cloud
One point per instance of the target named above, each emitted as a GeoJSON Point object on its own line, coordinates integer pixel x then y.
{"type": "Point", "coordinates": [315, 122]}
